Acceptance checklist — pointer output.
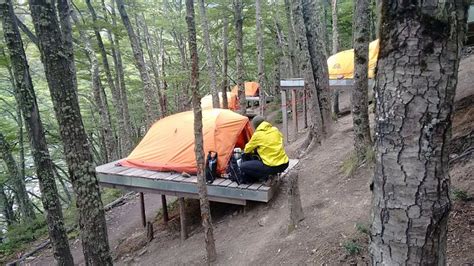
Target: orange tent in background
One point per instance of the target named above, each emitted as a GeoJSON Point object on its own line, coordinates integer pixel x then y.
{"type": "Point", "coordinates": [251, 88]}
{"type": "Point", "coordinates": [206, 101]}
{"type": "Point", "coordinates": [169, 143]}
{"type": "Point", "coordinates": [341, 65]}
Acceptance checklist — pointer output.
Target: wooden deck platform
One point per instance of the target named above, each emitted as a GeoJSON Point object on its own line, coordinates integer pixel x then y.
{"type": "Point", "coordinates": [174, 184]}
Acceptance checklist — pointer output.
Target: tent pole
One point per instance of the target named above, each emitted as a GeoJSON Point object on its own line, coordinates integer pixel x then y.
{"type": "Point", "coordinates": [142, 209]}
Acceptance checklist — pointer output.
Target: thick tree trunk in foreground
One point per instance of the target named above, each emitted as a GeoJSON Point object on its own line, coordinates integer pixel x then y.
{"type": "Point", "coordinates": [319, 65]}
{"type": "Point", "coordinates": [210, 59]}
{"type": "Point", "coordinates": [359, 100]}
{"type": "Point", "coordinates": [315, 133]}
{"type": "Point", "coordinates": [198, 143]}
{"type": "Point", "coordinates": [239, 21]}
{"type": "Point", "coordinates": [44, 167]}
{"type": "Point", "coordinates": [63, 88]}
{"type": "Point", "coordinates": [148, 97]}
{"type": "Point", "coordinates": [416, 82]}
{"type": "Point", "coordinates": [225, 62]}
{"type": "Point", "coordinates": [25, 207]}
{"type": "Point", "coordinates": [260, 55]}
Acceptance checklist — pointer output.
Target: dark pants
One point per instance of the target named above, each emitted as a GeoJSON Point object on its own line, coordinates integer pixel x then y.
{"type": "Point", "coordinates": [256, 170]}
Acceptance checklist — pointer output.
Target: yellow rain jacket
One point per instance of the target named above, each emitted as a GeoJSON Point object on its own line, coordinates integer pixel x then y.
{"type": "Point", "coordinates": [268, 141]}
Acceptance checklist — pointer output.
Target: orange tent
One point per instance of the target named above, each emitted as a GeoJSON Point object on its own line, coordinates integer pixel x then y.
{"type": "Point", "coordinates": [251, 88]}
{"type": "Point", "coordinates": [206, 101]}
{"type": "Point", "coordinates": [169, 143]}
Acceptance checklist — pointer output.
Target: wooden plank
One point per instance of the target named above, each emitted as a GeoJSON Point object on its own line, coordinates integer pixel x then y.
{"type": "Point", "coordinates": [217, 181]}
{"type": "Point", "coordinates": [192, 179]}
{"type": "Point", "coordinates": [255, 186]}
{"type": "Point", "coordinates": [225, 183]}
{"type": "Point", "coordinates": [107, 166]}
{"type": "Point", "coordinates": [233, 184]}
{"type": "Point", "coordinates": [171, 176]}
{"type": "Point", "coordinates": [244, 186]}
{"type": "Point", "coordinates": [171, 188]}
{"type": "Point", "coordinates": [264, 188]}
{"type": "Point", "coordinates": [116, 170]}
{"type": "Point", "coordinates": [133, 172]}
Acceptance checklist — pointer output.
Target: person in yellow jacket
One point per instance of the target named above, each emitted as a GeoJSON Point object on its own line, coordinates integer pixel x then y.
{"type": "Point", "coordinates": [267, 143]}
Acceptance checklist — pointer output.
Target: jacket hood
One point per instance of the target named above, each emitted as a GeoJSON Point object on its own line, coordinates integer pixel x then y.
{"type": "Point", "coordinates": [264, 126]}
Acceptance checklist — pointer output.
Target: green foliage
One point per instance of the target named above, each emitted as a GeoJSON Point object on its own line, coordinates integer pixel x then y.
{"type": "Point", "coordinates": [110, 194]}
{"type": "Point", "coordinates": [18, 235]}
{"type": "Point", "coordinates": [352, 247]}
{"type": "Point", "coordinates": [350, 164]}
{"type": "Point", "coordinates": [362, 228]}
{"type": "Point", "coordinates": [460, 195]}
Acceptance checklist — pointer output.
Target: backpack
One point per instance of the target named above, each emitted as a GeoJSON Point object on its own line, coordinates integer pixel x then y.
{"type": "Point", "coordinates": [233, 171]}
{"type": "Point", "coordinates": [211, 167]}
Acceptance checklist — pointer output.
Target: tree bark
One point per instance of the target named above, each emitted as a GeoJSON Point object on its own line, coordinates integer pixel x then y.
{"type": "Point", "coordinates": [260, 55]}
{"type": "Point", "coordinates": [97, 90]}
{"type": "Point", "coordinates": [420, 47]}
{"type": "Point", "coordinates": [225, 62]}
{"type": "Point", "coordinates": [126, 140]}
{"type": "Point", "coordinates": [315, 133]}
{"type": "Point", "coordinates": [319, 65]}
{"type": "Point", "coordinates": [17, 182]}
{"type": "Point", "coordinates": [360, 101]}
{"type": "Point", "coordinates": [211, 68]}
{"type": "Point", "coordinates": [198, 143]}
{"type": "Point", "coordinates": [148, 99]}
{"type": "Point", "coordinates": [294, 200]}
{"type": "Point", "coordinates": [335, 31]}
{"type": "Point", "coordinates": [29, 107]}
{"type": "Point", "coordinates": [7, 207]}
{"type": "Point", "coordinates": [239, 20]}
{"type": "Point", "coordinates": [294, 69]}
{"type": "Point", "coordinates": [61, 78]}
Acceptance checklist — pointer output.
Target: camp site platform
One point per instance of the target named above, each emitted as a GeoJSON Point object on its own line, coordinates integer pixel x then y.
{"type": "Point", "coordinates": [175, 184]}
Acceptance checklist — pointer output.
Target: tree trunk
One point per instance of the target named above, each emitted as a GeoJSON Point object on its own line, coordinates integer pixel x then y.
{"type": "Point", "coordinates": [99, 98]}
{"type": "Point", "coordinates": [335, 49]}
{"type": "Point", "coordinates": [294, 200]}
{"type": "Point", "coordinates": [210, 60]}
{"type": "Point", "coordinates": [7, 207]}
{"type": "Point", "coordinates": [225, 62]}
{"type": "Point", "coordinates": [148, 99]}
{"type": "Point", "coordinates": [154, 66]}
{"type": "Point", "coordinates": [319, 65]}
{"type": "Point", "coordinates": [360, 101]}
{"type": "Point", "coordinates": [260, 55]}
{"type": "Point", "coordinates": [62, 84]}
{"type": "Point", "coordinates": [335, 32]}
{"type": "Point", "coordinates": [198, 143]}
{"type": "Point", "coordinates": [17, 181]}
{"type": "Point", "coordinates": [415, 87]}
{"type": "Point", "coordinates": [44, 167]}
{"type": "Point", "coordinates": [239, 20]}
{"type": "Point", "coordinates": [294, 69]}
{"type": "Point", "coordinates": [125, 140]}
{"type": "Point", "coordinates": [315, 133]}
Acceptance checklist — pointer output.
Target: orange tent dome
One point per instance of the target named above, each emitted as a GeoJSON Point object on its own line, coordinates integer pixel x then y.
{"type": "Point", "coordinates": [169, 143]}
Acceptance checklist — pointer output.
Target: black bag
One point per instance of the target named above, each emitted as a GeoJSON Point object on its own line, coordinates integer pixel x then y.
{"type": "Point", "coordinates": [233, 171]}
{"type": "Point", "coordinates": [211, 167]}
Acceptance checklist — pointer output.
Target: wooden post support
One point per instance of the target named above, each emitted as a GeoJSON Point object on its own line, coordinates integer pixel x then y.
{"type": "Point", "coordinates": [294, 110]}
{"type": "Point", "coordinates": [150, 234]}
{"type": "Point", "coordinates": [305, 108]}
{"type": "Point", "coordinates": [164, 207]}
{"type": "Point", "coordinates": [142, 208]}
{"type": "Point", "coordinates": [182, 218]}
{"type": "Point", "coordinates": [284, 115]}
{"type": "Point", "coordinates": [294, 201]}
